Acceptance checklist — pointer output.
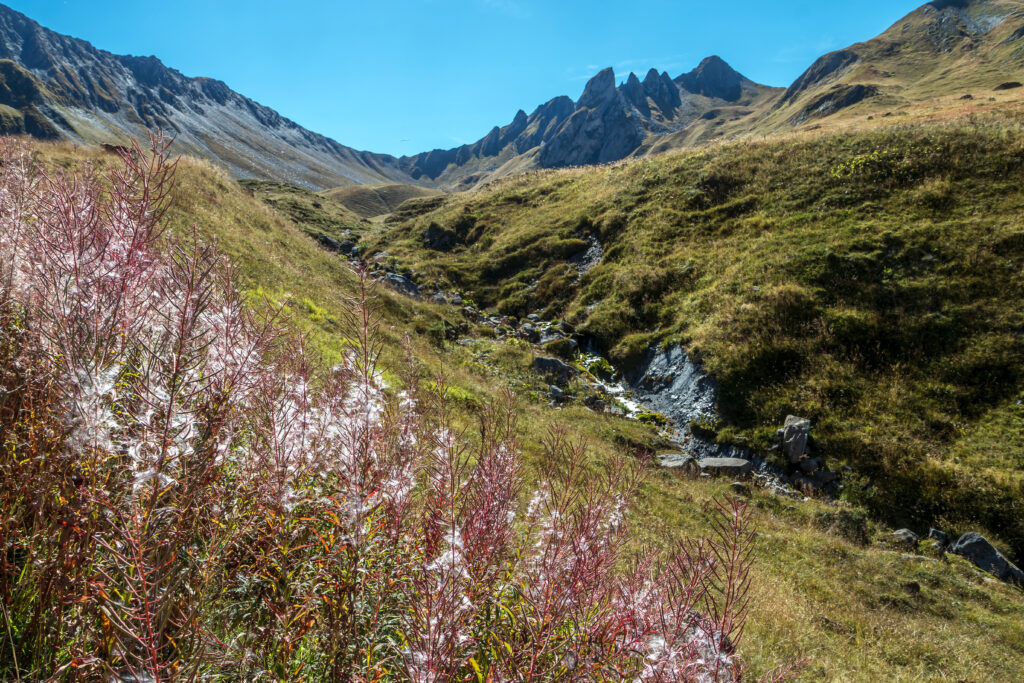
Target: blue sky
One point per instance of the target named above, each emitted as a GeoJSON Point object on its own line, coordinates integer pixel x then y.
{"type": "Point", "coordinates": [407, 76]}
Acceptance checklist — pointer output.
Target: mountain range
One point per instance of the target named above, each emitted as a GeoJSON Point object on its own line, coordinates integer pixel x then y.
{"type": "Point", "coordinates": [53, 86]}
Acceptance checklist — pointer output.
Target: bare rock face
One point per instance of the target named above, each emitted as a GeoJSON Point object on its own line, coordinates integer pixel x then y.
{"type": "Point", "coordinates": [601, 129]}
{"type": "Point", "coordinates": [714, 78]}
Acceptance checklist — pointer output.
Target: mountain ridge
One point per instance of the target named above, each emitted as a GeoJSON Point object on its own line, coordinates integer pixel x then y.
{"type": "Point", "coordinates": [54, 86]}
{"type": "Point", "coordinates": [94, 96]}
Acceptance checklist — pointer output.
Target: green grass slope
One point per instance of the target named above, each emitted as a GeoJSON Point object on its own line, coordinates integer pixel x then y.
{"type": "Point", "coordinates": [871, 282]}
{"type": "Point", "coordinates": [370, 201]}
{"type": "Point", "coordinates": [826, 587]}
{"type": "Point", "coordinates": [943, 48]}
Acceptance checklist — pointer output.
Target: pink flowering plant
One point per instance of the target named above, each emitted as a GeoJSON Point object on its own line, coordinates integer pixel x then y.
{"type": "Point", "coordinates": [187, 493]}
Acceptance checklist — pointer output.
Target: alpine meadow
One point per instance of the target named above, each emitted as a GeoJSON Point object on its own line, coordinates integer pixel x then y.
{"type": "Point", "coordinates": [692, 378]}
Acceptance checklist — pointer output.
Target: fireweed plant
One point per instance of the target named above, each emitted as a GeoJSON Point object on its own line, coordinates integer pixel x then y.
{"type": "Point", "coordinates": [187, 495]}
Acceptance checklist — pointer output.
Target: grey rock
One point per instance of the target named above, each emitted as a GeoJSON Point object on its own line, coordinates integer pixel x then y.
{"type": "Point", "coordinates": [978, 550]}
{"type": "Point", "coordinates": [809, 465]}
{"type": "Point", "coordinates": [402, 284]}
{"type": "Point", "coordinates": [529, 333]}
{"type": "Point", "coordinates": [550, 335]}
{"type": "Point", "coordinates": [347, 246]}
{"type": "Point", "coordinates": [553, 367]}
{"type": "Point", "coordinates": [905, 538]}
{"type": "Point", "coordinates": [438, 298]}
{"type": "Point", "coordinates": [740, 489]}
{"type": "Point", "coordinates": [795, 435]}
{"type": "Point", "coordinates": [732, 467]}
{"type": "Point", "coordinates": [533, 317]}
{"type": "Point", "coordinates": [823, 477]}
{"type": "Point", "coordinates": [329, 243]}
{"type": "Point", "coordinates": [456, 300]}
{"type": "Point", "coordinates": [668, 382]}
{"type": "Point", "coordinates": [939, 535]}
{"type": "Point", "coordinates": [679, 461]}
{"type": "Point", "coordinates": [556, 394]}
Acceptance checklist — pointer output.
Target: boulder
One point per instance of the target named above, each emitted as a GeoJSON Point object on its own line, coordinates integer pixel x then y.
{"type": "Point", "coordinates": [549, 335]}
{"type": "Point", "coordinates": [730, 467]}
{"type": "Point", "coordinates": [556, 394]}
{"type": "Point", "coordinates": [329, 242]}
{"type": "Point", "coordinates": [533, 317]}
{"type": "Point", "coordinates": [823, 477]}
{"type": "Point", "coordinates": [1008, 85]}
{"type": "Point", "coordinates": [940, 536]}
{"type": "Point", "coordinates": [347, 246]}
{"type": "Point", "coordinates": [438, 298]}
{"type": "Point", "coordinates": [402, 284]}
{"type": "Point", "coordinates": [905, 538]}
{"type": "Point", "coordinates": [553, 367]}
{"type": "Point", "coordinates": [809, 465]}
{"type": "Point", "coordinates": [456, 300]}
{"type": "Point", "coordinates": [978, 550]}
{"type": "Point", "coordinates": [529, 333]}
{"type": "Point", "coordinates": [740, 489]}
{"type": "Point", "coordinates": [564, 347]}
{"type": "Point", "coordinates": [795, 434]}
{"type": "Point", "coordinates": [678, 461]}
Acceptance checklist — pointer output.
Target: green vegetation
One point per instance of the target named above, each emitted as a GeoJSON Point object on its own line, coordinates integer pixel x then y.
{"type": "Point", "coordinates": [845, 605]}
{"type": "Point", "coordinates": [869, 281]}
{"type": "Point", "coordinates": [316, 215]}
{"type": "Point", "coordinates": [369, 201]}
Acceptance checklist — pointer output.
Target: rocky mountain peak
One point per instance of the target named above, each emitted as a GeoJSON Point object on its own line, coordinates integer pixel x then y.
{"type": "Point", "coordinates": [599, 89]}
{"type": "Point", "coordinates": [713, 78]}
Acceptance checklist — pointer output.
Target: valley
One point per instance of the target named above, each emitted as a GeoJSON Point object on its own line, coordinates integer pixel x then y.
{"type": "Point", "coordinates": [807, 300]}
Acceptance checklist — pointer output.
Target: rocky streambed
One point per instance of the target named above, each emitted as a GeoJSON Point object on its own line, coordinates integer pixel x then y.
{"type": "Point", "coordinates": [667, 389]}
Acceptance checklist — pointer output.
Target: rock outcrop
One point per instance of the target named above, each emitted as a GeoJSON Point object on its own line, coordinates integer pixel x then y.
{"type": "Point", "coordinates": [978, 550]}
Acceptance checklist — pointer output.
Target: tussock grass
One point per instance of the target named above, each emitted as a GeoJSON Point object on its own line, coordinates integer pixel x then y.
{"type": "Point", "coordinates": [815, 594]}
{"type": "Point", "coordinates": [870, 281]}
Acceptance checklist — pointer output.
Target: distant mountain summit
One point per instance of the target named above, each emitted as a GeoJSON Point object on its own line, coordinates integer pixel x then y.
{"type": "Point", "coordinates": [607, 123]}
{"type": "Point", "coordinates": [944, 47]}
{"type": "Point", "coordinates": [54, 86]}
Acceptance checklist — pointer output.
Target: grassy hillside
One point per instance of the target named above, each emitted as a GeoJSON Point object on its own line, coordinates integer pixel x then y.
{"type": "Point", "coordinates": [375, 200]}
{"type": "Point", "coordinates": [826, 587]}
{"type": "Point", "coordinates": [870, 281]}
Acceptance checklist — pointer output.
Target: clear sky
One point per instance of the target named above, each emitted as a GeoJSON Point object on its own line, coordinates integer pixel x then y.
{"type": "Point", "coordinates": [406, 76]}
